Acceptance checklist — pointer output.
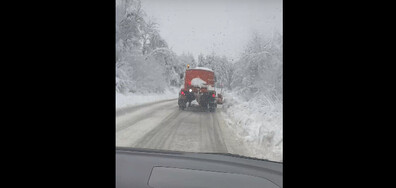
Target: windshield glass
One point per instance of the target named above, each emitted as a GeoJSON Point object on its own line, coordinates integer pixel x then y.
{"type": "Point", "coordinates": [200, 76]}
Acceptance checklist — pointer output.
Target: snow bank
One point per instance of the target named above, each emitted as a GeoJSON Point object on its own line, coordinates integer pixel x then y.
{"type": "Point", "coordinates": [258, 122]}
{"type": "Point", "coordinates": [133, 99]}
{"type": "Point", "coordinates": [198, 82]}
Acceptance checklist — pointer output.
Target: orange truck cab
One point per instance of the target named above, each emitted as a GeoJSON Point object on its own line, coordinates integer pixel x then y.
{"type": "Point", "coordinates": [198, 85]}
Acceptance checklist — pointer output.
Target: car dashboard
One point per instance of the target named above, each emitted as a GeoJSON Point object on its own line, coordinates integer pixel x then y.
{"type": "Point", "coordinates": [147, 168]}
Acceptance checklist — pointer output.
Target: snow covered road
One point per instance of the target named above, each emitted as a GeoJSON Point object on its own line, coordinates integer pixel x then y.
{"type": "Point", "coordinates": [161, 125]}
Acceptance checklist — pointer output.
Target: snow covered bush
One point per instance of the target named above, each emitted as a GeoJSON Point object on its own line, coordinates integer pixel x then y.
{"type": "Point", "coordinates": [258, 122]}
{"type": "Point", "coordinates": [253, 106]}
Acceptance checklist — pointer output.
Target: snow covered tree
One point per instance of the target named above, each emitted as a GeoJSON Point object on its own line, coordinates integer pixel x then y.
{"type": "Point", "coordinates": [201, 60]}
{"type": "Point", "coordinates": [187, 59]}
{"type": "Point", "coordinates": [260, 68]}
{"type": "Point", "coordinates": [143, 61]}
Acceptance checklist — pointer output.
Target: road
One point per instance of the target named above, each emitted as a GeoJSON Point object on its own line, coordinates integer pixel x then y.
{"type": "Point", "coordinates": [161, 125]}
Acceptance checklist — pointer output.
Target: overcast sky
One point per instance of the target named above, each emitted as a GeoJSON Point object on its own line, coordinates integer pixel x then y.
{"type": "Point", "coordinates": [222, 26]}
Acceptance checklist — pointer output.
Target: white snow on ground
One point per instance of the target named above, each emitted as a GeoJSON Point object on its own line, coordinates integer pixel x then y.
{"type": "Point", "coordinates": [258, 122]}
{"type": "Point", "coordinates": [198, 82]}
{"type": "Point", "coordinates": [133, 99]}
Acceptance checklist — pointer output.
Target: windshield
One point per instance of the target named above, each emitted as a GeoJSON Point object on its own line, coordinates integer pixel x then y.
{"type": "Point", "coordinates": [200, 76]}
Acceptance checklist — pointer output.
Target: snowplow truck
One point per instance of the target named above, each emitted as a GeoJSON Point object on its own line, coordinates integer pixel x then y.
{"type": "Point", "coordinates": [198, 85]}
